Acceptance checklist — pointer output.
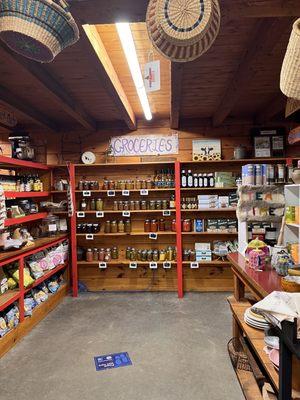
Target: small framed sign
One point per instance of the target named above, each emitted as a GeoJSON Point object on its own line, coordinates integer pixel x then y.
{"type": "Point", "coordinates": [102, 265]}
{"type": "Point", "coordinates": [125, 193]}
{"type": "Point", "coordinates": [167, 264]}
{"type": "Point", "coordinates": [111, 193]}
{"type": "Point", "coordinates": [153, 236]}
{"type": "Point", "coordinates": [125, 213]}
{"type": "Point", "coordinates": [153, 265]}
{"type": "Point", "coordinates": [194, 265]}
{"type": "Point", "coordinates": [80, 214]}
{"type": "Point", "coordinates": [99, 214]}
{"type": "Point", "coordinates": [262, 146]}
{"type": "Point", "coordinates": [89, 236]}
{"type": "Point", "coordinates": [144, 192]}
{"type": "Point", "coordinates": [133, 265]}
{"type": "Point", "coordinates": [166, 213]}
{"type": "Point", "coordinates": [86, 193]}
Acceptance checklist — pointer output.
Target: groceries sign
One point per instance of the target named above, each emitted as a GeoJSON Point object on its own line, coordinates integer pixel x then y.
{"type": "Point", "coordinates": [146, 145]}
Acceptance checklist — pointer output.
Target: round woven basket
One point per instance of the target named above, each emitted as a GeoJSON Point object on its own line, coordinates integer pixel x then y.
{"type": "Point", "coordinates": [37, 29]}
{"type": "Point", "coordinates": [290, 70]}
{"type": "Point", "coordinates": [182, 30]}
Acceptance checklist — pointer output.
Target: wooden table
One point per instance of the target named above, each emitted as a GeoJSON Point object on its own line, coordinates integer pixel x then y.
{"type": "Point", "coordinates": [259, 284]}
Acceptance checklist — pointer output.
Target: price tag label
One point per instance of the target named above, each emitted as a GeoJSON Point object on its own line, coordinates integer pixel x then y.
{"type": "Point", "coordinates": [166, 213]}
{"type": "Point", "coordinates": [153, 265]}
{"type": "Point", "coordinates": [167, 264]}
{"type": "Point", "coordinates": [133, 265]}
{"type": "Point", "coordinates": [86, 193]}
{"type": "Point", "coordinates": [194, 265]}
{"type": "Point", "coordinates": [125, 213]}
{"type": "Point", "coordinates": [80, 214]}
{"type": "Point", "coordinates": [153, 236]}
{"type": "Point", "coordinates": [102, 265]}
{"type": "Point", "coordinates": [125, 193]}
{"type": "Point", "coordinates": [89, 236]}
{"type": "Point", "coordinates": [144, 192]}
{"type": "Point", "coordinates": [111, 193]}
{"type": "Point", "coordinates": [99, 214]}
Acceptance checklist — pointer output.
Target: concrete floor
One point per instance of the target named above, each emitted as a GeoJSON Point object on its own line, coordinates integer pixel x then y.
{"type": "Point", "coordinates": [178, 350]}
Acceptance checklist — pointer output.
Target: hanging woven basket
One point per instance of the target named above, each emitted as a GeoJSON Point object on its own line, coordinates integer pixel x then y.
{"type": "Point", "coordinates": [290, 70]}
{"type": "Point", "coordinates": [182, 30]}
{"type": "Point", "coordinates": [37, 29]}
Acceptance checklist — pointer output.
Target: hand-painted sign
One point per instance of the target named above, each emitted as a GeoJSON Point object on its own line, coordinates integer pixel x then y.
{"type": "Point", "coordinates": [152, 76]}
{"type": "Point", "coordinates": [7, 118]}
{"type": "Point", "coordinates": [144, 145]}
{"type": "Point", "coordinates": [112, 361]}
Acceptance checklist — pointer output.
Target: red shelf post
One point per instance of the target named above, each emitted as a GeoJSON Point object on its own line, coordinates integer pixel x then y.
{"type": "Point", "coordinates": [74, 270]}
{"type": "Point", "coordinates": [22, 289]}
{"type": "Point", "coordinates": [178, 230]}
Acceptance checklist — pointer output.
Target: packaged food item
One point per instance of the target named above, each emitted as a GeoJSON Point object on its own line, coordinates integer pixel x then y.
{"type": "Point", "coordinates": [53, 285]}
{"type": "Point", "coordinates": [3, 327]}
{"type": "Point", "coordinates": [29, 305]}
{"type": "Point", "coordinates": [39, 295]}
{"type": "Point", "coordinates": [35, 269]}
{"type": "Point", "coordinates": [12, 317]}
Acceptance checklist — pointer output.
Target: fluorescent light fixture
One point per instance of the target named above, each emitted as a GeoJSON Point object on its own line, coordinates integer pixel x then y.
{"type": "Point", "coordinates": [126, 38]}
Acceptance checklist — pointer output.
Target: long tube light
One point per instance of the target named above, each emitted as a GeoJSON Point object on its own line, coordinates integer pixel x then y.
{"type": "Point", "coordinates": [126, 39]}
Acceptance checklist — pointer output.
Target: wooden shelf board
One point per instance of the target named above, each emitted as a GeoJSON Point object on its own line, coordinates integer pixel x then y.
{"type": "Point", "coordinates": [210, 233]}
{"type": "Point", "coordinates": [129, 190]}
{"type": "Point", "coordinates": [39, 313]}
{"type": "Point", "coordinates": [128, 234]}
{"type": "Point", "coordinates": [227, 209]}
{"type": "Point", "coordinates": [255, 337]}
{"type": "Point", "coordinates": [8, 298]}
{"type": "Point", "coordinates": [139, 164]}
{"type": "Point", "coordinates": [8, 256]}
{"type": "Point", "coordinates": [27, 218]}
{"type": "Point", "coordinates": [9, 194]}
{"type": "Point", "coordinates": [46, 276]}
{"type": "Point", "coordinates": [209, 188]}
{"type": "Point", "coordinates": [123, 262]}
{"type": "Point", "coordinates": [206, 263]}
{"type": "Point", "coordinates": [131, 211]}
{"type": "Point", "coordinates": [241, 161]}
{"type": "Point", "coordinates": [12, 163]}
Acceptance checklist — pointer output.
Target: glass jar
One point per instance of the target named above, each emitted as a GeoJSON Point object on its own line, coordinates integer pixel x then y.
{"type": "Point", "coordinates": [107, 226]}
{"type": "Point", "coordinates": [89, 228]}
{"type": "Point", "coordinates": [147, 225]}
{"type": "Point", "coordinates": [133, 254]}
{"type": "Point", "coordinates": [105, 185]}
{"type": "Point", "coordinates": [149, 255]}
{"type": "Point", "coordinates": [126, 206]}
{"type": "Point", "coordinates": [113, 227]}
{"type": "Point", "coordinates": [155, 255]}
{"type": "Point", "coordinates": [144, 184]}
{"type": "Point", "coordinates": [149, 184]}
{"type": "Point", "coordinates": [101, 254]}
{"type": "Point", "coordinates": [185, 255]}
{"type": "Point", "coordinates": [139, 255]}
{"type": "Point", "coordinates": [83, 205]}
{"type": "Point", "coordinates": [152, 205]}
{"type": "Point", "coordinates": [162, 255]}
{"type": "Point", "coordinates": [127, 185]}
{"type": "Point", "coordinates": [165, 204]}
{"type": "Point", "coordinates": [138, 184]}
{"type": "Point", "coordinates": [162, 224]}
{"type": "Point", "coordinates": [89, 255]}
{"type": "Point", "coordinates": [122, 185]}
{"type": "Point", "coordinates": [107, 257]}
{"type": "Point", "coordinates": [99, 205]}
{"type": "Point", "coordinates": [170, 254]}
{"type": "Point", "coordinates": [96, 228]}
{"type": "Point", "coordinates": [158, 205]}
{"type": "Point", "coordinates": [95, 254]}
{"type": "Point", "coordinates": [137, 205]}
{"type": "Point", "coordinates": [121, 226]}
{"type": "Point", "coordinates": [80, 185]}
{"type": "Point", "coordinates": [143, 205]}
{"type": "Point", "coordinates": [115, 206]}
{"type": "Point", "coordinates": [173, 225]}
{"type": "Point", "coordinates": [192, 255]}
{"type": "Point", "coordinates": [121, 206]}
{"type": "Point", "coordinates": [93, 205]}
{"type": "Point", "coordinates": [86, 185]}
{"type": "Point", "coordinates": [131, 205]}
{"type": "Point", "coordinates": [186, 225]}
{"type": "Point", "coordinates": [111, 185]}
{"type": "Point", "coordinates": [154, 225]}
{"type": "Point", "coordinates": [50, 225]}
{"type": "Point", "coordinates": [127, 253]}
{"type": "Point", "coordinates": [144, 255]}
{"type": "Point", "coordinates": [114, 253]}
{"type": "Point", "coordinates": [96, 185]}
{"type": "Point", "coordinates": [127, 226]}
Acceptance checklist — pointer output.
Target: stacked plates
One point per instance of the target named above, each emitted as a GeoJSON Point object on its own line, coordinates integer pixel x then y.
{"type": "Point", "coordinates": [255, 320]}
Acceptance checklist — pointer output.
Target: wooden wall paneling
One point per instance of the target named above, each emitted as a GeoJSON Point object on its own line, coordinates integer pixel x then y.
{"type": "Point", "coordinates": [264, 38]}
{"type": "Point", "coordinates": [105, 71]}
{"type": "Point", "coordinates": [176, 89]}
{"type": "Point", "coordinates": [207, 279]}
{"type": "Point", "coordinates": [274, 107]}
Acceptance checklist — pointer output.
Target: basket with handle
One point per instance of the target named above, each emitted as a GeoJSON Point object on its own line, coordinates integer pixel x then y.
{"type": "Point", "coordinates": [37, 29]}
{"type": "Point", "coordinates": [290, 76]}
{"type": "Point", "coordinates": [182, 30]}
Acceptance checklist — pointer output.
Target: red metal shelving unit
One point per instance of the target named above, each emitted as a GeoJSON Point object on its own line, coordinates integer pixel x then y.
{"type": "Point", "coordinates": [25, 194]}
{"type": "Point", "coordinates": [27, 218]}
{"type": "Point", "coordinates": [14, 163]}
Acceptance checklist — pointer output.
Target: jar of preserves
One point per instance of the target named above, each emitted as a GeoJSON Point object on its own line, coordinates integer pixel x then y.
{"type": "Point", "coordinates": [149, 184]}
{"type": "Point", "coordinates": [107, 257]}
{"type": "Point", "coordinates": [115, 205]}
{"type": "Point", "coordinates": [138, 184]}
{"type": "Point", "coordinates": [154, 225]}
{"type": "Point", "coordinates": [139, 255]}
{"type": "Point", "coordinates": [133, 254]}
{"type": "Point", "coordinates": [99, 205]}
{"type": "Point", "coordinates": [101, 254]}
{"type": "Point", "coordinates": [93, 205]}
{"type": "Point", "coordinates": [158, 205]}
{"type": "Point", "coordinates": [144, 184]}
{"type": "Point", "coordinates": [127, 253]}
{"type": "Point", "coordinates": [121, 226]}
{"type": "Point", "coordinates": [137, 205]}
{"type": "Point", "coordinates": [186, 225]}
{"type": "Point", "coordinates": [113, 227]}
{"type": "Point", "coordinates": [127, 185]}
{"type": "Point", "coordinates": [147, 225]}
{"type": "Point", "coordinates": [89, 255]}
{"type": "Point", "coordinates": [95, 254]}
{"type": "Point", "coordinates": [105, 185]}
{"type": "Point", "coordinates": [115, 253]}
{"type": "Point", "coordinates": [121, 206]}
{"type": "Point", "coordinates": [111, 185]}
{"type": "Point", "coordinates": [80, 185]}
{"type": "Point", "coordinates": [152, 205]}
{"type": "Point", "coordinates": [165, 205]}
{"type": "Point", "coordinates": [127, 226]}
{"type": "Point", "coordinates": [126, 206]}
{"type": "Point", "coordinates": [107, 226]}
{"type": "Point", "coordinates": [173, 225]}
{"type": "Point", "coordinates": [144, 255]}
{"type": "Point", "coordinates": [132, 184]}
{"type": "Point", "coordinates": [149, 255]}
{"type": "Point", "coordinates": [131, 205]}
{"type": "Point", "coordinates": [162, 255]}
{"type": "Point", "coordinates": [122, 185]}
{"type": "Point", "coordinates": [143, 205]}
{"type": "Point", "coordinates": [170, 254]}
{"type": "Point", "coordinates": [162, 224]}
{"type": "Point", "coordinates": [155, 255]}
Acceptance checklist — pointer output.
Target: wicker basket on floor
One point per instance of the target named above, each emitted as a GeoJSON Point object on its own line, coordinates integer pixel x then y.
{"type": "Point", "coordinates": [37, 29]}
{"type": "Point", "coordinates": [182, 30]}
{"type": "Point", "coordinates": [290, 70]}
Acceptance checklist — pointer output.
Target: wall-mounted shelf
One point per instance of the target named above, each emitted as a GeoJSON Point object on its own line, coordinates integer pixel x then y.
{"type": "Point", "coordinates": [14, 163]}
{"type": "Point", "coordinates": [26, 218]}
{"type": "Point", "coordinates": [25, 194]}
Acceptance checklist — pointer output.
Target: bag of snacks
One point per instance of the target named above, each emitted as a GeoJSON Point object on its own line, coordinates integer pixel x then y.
{"type": "Point", "coordinates": [29, 305]}
{"type": "Point", "coordinates": [12, 317]}
{"type": "Point", "coordinates": [35, 269]}
{"type": "Point", "coordinates": [3, 327]}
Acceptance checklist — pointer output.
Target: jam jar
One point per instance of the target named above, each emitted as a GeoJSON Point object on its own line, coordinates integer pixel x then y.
{"type": "Point", "coordinates": [107, 226]}
{"type": "Point", "coordinates": [154, 225]}
{"type": "Point", "coordinates": [121, 226]}
{"type": "Point", "coordinates": [114, 253]}
{"type": "Point", "coordinates": [113, 227]}
{"type": "Point", "coordinates": [162, 224]}
{"type": "Point", "coordinates": [89, 255]}
{"type": "Point", "coordinates": [147, 225]}
{"type": "Point", "coordinates": [101, 254]}
{"type": "Point", "coordinates": [99, 205]}
{"type": "Point", "coordinates": [186, 225]}
{"type": "Point", "coordinates": [127, 253]}
{"type": "Point", "coordinates": [95, 255]}
{"type": "Point", "coordinates": [107, 257]}
{"type": "Point", "coordinates": [173, 225]}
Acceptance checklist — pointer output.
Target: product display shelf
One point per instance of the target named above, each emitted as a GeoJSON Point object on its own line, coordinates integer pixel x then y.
{"type": "Point", "coordinates": [218, 263]}
{"type": "Point", "coordinates": [25, 195]}
{"type": "Point", "coordinates": [198, 210]}
{"type": "Point", "coordinates": [14, 163]}
{"type": "Point", "coordinates": [239, 162]}
{"type": "Point", "coordinates": [125, 262]}
{"type": "Point", "coordinates": [9, 297]}
{"type": "Point", "coordinates": [206, 189]}
{"type": "Point", "coordinates": [26, 218]}
{"type": "Point", "coordinates": [119, 191]}
{"type": "Point", "coordinates": [134, 233]}
{"type": "Point", "coordinates": [46, 276]}
{"type": "Point", "coordinates": [92, 212]}
{"type": "Point", "coordinates": [211, 233]}
{"type": "Point", "coordinates": [292, 229]}
{"type": "Point", "coordinates": [28, 323]}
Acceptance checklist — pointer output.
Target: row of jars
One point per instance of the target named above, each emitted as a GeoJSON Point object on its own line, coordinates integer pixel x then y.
{"type": "Point", "coordinates": [88, 228]}
{"type": "Point", "coordinates": [91, 204]}
{"type": "Point", "coordinates": [102, 254]}
{"type": "Point", "coordinates": [189, 203]}
{"type": "Point", "coordinates": [189, 255]}
{"type": "Point", "coordinates": [98, 205]}
{"type": "Point", "coordinates": [137, 184]}
{"type": "Point", "coordinates": [168, 254]}
{"type": "Point", "coordinates": [155, 225]}
{"type": "Point", "coordinates": [120, 226]}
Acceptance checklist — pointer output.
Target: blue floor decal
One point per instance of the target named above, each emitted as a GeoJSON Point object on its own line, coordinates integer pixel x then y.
{"type": "Point", "coordinates": [112, 361]}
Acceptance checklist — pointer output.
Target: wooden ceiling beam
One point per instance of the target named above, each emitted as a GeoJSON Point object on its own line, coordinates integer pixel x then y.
{"type": "Point", "coordinates": [22, 106]}
{"type": "Point", "coordinates": [267, 9]}
{"type": "Point", "coordinates": [104, 70]}
{"type": "Point", "coordinates": [264, 38]}
{"type": "Point", "coordinates": [176, 86]}
{"type": "Point", "coordinates": [63, 98]}
{"type": "Point", "coordinates": [276, 105]}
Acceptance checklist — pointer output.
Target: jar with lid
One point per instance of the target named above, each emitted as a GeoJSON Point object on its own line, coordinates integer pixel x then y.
{"type": "Point", "coordinates": [144, 184]}
{"type": "Point", "coordinates": [143, 205]}
{"type": "Point", "coordinates": [127, 185]}
{"type": "Point", "coordinates": [89, 228]}
{"type": "Point", "coordinates": [154, 225]}
{"type": "Point", "coordinates": [162, 255]}
{"type": "Point", "coordinates": [152, 205]}
{"type": "Point", "coordinates": [86, 185]}
{"type": "Point", "coordinates": [115, 253]}
{"type": "Point", "coordinates": [111, 185]}
{"type": "Point", "coordinates": [126, 206]}
{"type": "Point", "coordinates": [170, 254]}
{"type": "Point", "coordinates": [50, 225]}
{"type": "Point", "coordinates": [99, 205]}
{"type": "Point", "coordinates": [122, 185]}
{"type": "Point", "coordinates": [149, 184]}
{"type": "Point", "coordinates": [147, 225]}
{"type": "Point", "coordinates": [133, 254]}
{"type": "Point", "coordinates": [121, 205]}
{"type": "Point", "coordinates": [80, 185]}
{"type": "Point", "coordinates": [137, 205]}
{"type": "Point", "coordinates": [95, 254]}
{"type": "Point", "coordinates": [96, 228]}
{"type": "Point", "coordinates": [186, 225]}
{"type": "Point", "coordinates": [158, 205]}
{"type": "Point", "coordinates": [149, 255]}
{"type": "Point", "coordinates": [139, 255]}
{"type": "Point", "coordinates": [173, 225]}
{"type": "Point", "coordinates": [83, 205]}
{"type": "Point", "coordinates": [107, 257]}
{"type": "Point", "coordinates": [107, 226]}
{"type": "Point", "coordinates": [121, 226]}
{"type": "Point", "coordinates": [132, 205]}
{"type": "Point", "coordinates": [280, 173]}
{"type": "Point", "coordinates": [127, 253]}
{"type": "Point", "coordinates": [105, 185]}
{"type": "Point", "coordinates": [113, 227]}
{"type": "Point", "coordinates": [155, 255]}
{"type": "Point", "coordinates": [144, 255]}
{"type": "Point", "coordinates": [138, 184]}
{"type": "Point", "coordinates": [165, 204]}
{"type": "Point", "coordinates": [93, 205]}
{"type": "Point", "coordinates": [162, 224]}
{"type": "Point", "coordinates": [96, 185]}
{"type": "Point", "coordinates": [101, 254]}
{"type": "Point", "coordinates": [127, 226]}
{"type": "Point", "coordinates": [89, 255]}
{"type": "Point", "coordinates": [192, 255]}
{"type": "Point", "coordinates": [115, 205]}
{"type": "Point", "coordinates": [185, 255]}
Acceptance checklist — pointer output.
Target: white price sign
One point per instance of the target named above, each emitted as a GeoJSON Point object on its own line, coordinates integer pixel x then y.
{"type": "Point", "coordinates": [153, 265]}
{"type": "Point", "coordinates": [166, 213]}
{"type": "Point", "coordinates": [102, 265]}
{"type": "Point", "coordinates": [125, 213]}
{"type": "Point", "coordinates": [125, 193]}
{"type": "Point", "coordinates": [153, 236]}
{"type": "Point", "coordinates": [89, 236]}
{"type": "Point", "coordinates": [99, 214]}
{"type": "Point", "coordinates": [167, 264]}
{"type": "Point", "coordinates": [86, 193]}
{"type": "Point", "coordinates": [111, 193]}
{"type": "Point", "coordinates": [144, 192]}
{"type": "Point", "coordinates": [80, 214]}
{"type": "Point", "coordinates": [133, 265]}
{"type": "Point", "coordinates": [194, 265]}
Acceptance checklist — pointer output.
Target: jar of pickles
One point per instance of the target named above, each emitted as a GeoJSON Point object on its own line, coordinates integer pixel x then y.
{"type": "Point", "coordinates": [113, 227]}
{"type": "Point", "coordinates": [186, 225]}
{"type": "Point", "coordinates": [127, 226]}
{"type": "Point", "coordinates": [121, 226]}
{"type": "Point", "coordinates": [107, 227]}
{"type": "Point", "coordinates": [99, 205]}
{"type": "Point", "coordinates": [114, 253]}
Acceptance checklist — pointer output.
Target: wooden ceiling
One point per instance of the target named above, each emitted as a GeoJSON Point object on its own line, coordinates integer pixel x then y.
{"type": "Point", "coordinates": [82, 89]}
